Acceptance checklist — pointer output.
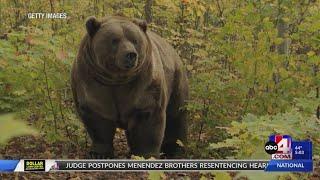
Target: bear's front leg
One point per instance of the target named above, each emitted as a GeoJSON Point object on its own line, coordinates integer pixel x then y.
{"type": "Point", "coordinates": [101, 132]}
{"type": "Point", "coordinates": [145, 132]}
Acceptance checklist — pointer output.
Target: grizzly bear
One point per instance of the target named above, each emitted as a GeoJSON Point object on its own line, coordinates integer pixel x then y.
{"type": "Point", "coordinates": [127, 77]}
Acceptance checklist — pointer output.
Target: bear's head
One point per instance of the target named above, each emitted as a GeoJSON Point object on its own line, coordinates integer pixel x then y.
{"type": "Point", "coordinates": [119, 44]}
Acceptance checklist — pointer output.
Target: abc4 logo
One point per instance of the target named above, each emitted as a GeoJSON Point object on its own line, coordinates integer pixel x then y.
{"type": "Point", "coordinates": [271, 147]}
{"type": "Point", "coordinates": [282, 146]}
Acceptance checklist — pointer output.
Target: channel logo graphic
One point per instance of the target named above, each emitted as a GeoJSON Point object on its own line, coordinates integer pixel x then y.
{"type": "Point", "coordinates": [279, 146]}
{"type": "Point", "coordinates": [289, 155]}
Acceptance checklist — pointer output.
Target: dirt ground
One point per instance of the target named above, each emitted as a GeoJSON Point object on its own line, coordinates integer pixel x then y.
{"type": "Point", "coordinates": [30, 147]}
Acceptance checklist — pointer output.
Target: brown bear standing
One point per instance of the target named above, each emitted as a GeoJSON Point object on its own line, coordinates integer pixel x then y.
{"type": "Point", "coordinates": [128, 77]}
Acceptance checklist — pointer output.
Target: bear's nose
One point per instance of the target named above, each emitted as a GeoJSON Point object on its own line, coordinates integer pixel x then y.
{"type": "Point", "coordinates": [131, 56]}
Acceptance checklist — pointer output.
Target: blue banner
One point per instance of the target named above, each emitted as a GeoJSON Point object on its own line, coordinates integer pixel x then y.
{"type": "Point", "coordinates": [8, 165]}
{"type": "Point", "coordinates": [290, 165]}
{"type": "Point", "coordinates": [302, 149]}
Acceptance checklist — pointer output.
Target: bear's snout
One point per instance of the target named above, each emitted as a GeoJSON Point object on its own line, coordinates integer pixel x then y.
{"type": "Point", "coordinates": [127, 56]}
{"type": "Point", "coordinates": [130, 59]}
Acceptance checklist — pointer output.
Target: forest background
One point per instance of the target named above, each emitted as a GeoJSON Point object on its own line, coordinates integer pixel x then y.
{"type": "Point", "coordinates": [253, 68]}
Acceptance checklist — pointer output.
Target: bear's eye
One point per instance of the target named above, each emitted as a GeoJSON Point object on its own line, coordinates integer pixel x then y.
{"type": "Point", "coordinates": [115, 41]}
{"type": "Point", "coordinates": [134, 41]}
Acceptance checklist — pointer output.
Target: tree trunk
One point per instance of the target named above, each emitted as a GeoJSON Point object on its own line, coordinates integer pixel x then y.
{"type": "Point", "coordinates": [148, 10]}
{"type": "Point", "coordinates": [282, 27]}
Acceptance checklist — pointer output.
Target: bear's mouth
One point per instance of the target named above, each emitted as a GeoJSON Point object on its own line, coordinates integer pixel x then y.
{"type": "Point", "coordinates": [110, 66]}
{"type": "Point", "coordinates": [124, 66]}
{"type": "Point", "coordinates": [129, 66]}
{"type": "Point", "coordinates": [115, 69]}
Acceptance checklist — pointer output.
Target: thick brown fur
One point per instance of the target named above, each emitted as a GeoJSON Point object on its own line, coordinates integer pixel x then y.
{"type": "Point", "coordinates": [145, 100]}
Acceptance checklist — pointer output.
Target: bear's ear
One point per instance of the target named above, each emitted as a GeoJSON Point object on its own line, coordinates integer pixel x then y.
{"type": "Point", "coordinates": [92, 25]}
{"type": "Point", "coordinates": [141, 23]}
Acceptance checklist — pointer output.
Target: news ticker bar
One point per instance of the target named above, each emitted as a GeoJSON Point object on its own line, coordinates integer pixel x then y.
{"type": "Point", "coordinates": [153, 165]}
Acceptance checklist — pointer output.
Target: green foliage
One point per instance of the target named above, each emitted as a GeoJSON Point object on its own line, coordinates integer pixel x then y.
{"type": "Point", "coordinates": [156, 175]}
{"type": "Point", "coordinates": [222, 176]}
{"type": "Point", "coordinates": [249, 136]}
{"type": "Point", "coordinates": [264, 175]}
{"type": "Point", "coordinates": [11, 127]}
{"type": "Point", "coordinates": [242, 86]}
